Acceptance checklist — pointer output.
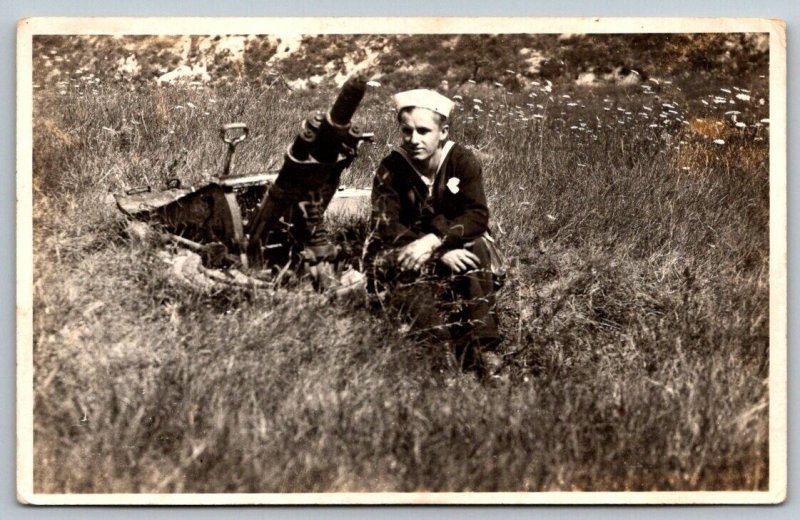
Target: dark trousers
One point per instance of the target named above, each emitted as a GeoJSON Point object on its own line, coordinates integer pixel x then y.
{"type": "Point", "coordinates": [443, 306]}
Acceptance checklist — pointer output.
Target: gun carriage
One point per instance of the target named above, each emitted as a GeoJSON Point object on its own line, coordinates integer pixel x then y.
{"type": "Point", "coordinates": [266, 219]}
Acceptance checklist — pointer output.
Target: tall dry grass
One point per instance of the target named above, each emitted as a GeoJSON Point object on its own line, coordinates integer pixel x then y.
{"type": "Point", "coordinates": [635, 312]}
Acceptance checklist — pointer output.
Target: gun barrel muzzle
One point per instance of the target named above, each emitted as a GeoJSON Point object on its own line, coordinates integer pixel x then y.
{"type": "Point", "coordinates": [347, 102]}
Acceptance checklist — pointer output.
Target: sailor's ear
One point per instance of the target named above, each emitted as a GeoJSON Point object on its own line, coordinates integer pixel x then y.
{"type": "Point", "coordinates": [445, 131]}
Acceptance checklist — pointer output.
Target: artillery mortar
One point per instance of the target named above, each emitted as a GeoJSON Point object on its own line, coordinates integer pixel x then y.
{"type": "Point", "coordinates": [267, 219]}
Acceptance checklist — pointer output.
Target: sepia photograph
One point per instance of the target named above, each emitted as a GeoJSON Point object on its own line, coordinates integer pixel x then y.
{"type": "Point", "coordinates": [403, 260]}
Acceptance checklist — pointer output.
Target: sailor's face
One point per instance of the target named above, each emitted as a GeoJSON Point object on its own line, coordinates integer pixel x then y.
{"type": "Point", "coordinates": [422, 133]}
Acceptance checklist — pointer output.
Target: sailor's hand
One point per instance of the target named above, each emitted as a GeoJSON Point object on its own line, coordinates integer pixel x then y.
{"type": "Point", "coordinates": [415, 254]}
{"type": "Point", "coordinates": [460, 260]}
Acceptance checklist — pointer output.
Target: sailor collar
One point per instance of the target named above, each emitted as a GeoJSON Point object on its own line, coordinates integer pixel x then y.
{"type": "Point", "coordinates": [427, 181]}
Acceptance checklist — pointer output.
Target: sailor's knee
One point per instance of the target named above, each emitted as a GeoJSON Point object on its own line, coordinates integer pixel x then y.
{"type": "Point", "coordinates": [480, 248]}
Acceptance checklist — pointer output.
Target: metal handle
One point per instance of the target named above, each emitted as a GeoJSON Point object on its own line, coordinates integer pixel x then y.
{"type": "Point", "coordinates": [229, 133]}
{"type": "Point", "coordinates": [232, 134]}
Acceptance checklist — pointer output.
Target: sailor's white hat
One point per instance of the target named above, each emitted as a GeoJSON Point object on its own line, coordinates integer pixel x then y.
{"type": "Point", "coordinates": [423, 98]}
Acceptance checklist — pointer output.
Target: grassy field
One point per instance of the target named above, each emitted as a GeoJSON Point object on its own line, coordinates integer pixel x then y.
{"type": "Point", "coordinates": [635, 311]}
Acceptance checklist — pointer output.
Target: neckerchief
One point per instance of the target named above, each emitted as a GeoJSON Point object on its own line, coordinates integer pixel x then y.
{"type": "Point", "coordinates": [429, 182]}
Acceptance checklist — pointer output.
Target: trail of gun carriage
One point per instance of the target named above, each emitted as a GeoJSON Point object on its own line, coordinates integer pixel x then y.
{"type": "Point", "coordinates": [203, 320]}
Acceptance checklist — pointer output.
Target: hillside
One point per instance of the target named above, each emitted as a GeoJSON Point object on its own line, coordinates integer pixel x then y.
{"type": "Point", "coordinates": [443, 61]}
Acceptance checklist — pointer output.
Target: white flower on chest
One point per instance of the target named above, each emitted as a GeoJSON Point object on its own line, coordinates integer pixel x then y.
{"type": "Point", "coordinates": [452, 184]}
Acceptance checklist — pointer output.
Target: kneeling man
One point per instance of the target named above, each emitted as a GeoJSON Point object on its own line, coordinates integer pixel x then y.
{"type": "Point", "coordinates": [430, 219]}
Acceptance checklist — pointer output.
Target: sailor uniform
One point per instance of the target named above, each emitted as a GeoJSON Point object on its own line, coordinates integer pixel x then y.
{"type": "Point", "coordinates": [452, 205]}
{"type": "Point", "coordinates": [407, 205]}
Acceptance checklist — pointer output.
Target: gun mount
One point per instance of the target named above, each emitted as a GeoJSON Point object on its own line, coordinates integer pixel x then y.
{"type": "Point", "coordinates": [266, 219]}
{"type": "Point", "coordinates": [291, 211]}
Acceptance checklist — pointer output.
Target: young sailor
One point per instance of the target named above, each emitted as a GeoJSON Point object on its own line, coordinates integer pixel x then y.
{"type": "Point", "coordinates": [429, 212]}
